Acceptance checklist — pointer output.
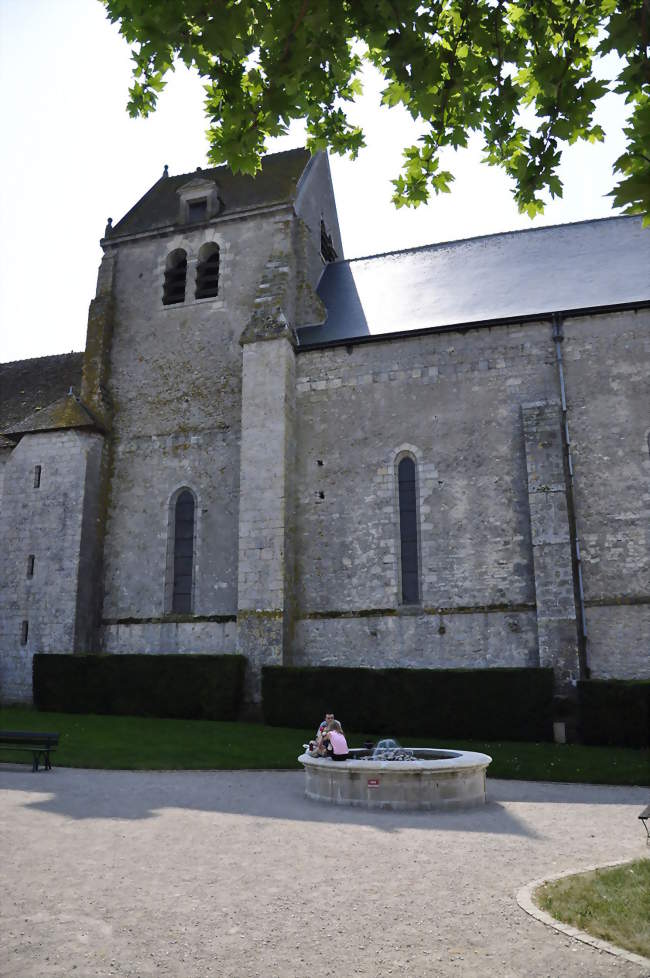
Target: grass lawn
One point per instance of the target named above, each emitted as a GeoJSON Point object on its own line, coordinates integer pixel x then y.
{"type": "Point", "coordinates": [147, 743]}
{"type": "Point", "coordinates": [613, 904]}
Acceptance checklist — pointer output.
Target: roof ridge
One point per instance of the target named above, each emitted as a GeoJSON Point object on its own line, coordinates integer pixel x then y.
{"type": "Point", "coordinates": [224, 166]}
{"type": "Point", "coordinates": [482, 237]}
{"type": "Point", "coordinates": [43, 356]}
{"type": "Point", "coordinates": [158, 207]}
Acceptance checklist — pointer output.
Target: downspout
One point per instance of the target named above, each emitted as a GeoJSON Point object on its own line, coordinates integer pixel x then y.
{"type": "Point", "coordinates": [558, 338]}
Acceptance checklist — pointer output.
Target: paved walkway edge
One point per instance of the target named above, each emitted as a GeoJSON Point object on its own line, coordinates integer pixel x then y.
{"type": "Point", "coordinates": [525, 901]}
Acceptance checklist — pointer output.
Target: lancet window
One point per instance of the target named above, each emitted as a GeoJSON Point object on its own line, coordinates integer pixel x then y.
{"type": "Point", "coordinates": [182, 592]}
{"type": "Point", "coordinates": [408, 530]}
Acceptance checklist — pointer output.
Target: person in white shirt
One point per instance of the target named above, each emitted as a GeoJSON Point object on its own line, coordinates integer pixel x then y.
{"type": "Point", "coordinates": [318, 746]}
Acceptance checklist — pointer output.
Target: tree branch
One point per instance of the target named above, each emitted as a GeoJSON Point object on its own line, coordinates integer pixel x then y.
{"type": "Point", "coordinates": [292, 32]}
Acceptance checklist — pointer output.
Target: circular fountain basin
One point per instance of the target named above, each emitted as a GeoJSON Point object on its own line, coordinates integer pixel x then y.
{"type": "Point", "coordinates": [434, 780]}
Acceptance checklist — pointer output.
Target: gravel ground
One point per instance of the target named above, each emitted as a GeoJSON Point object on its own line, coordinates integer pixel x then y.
{"type": "Point", "coordinates": [237, 875]}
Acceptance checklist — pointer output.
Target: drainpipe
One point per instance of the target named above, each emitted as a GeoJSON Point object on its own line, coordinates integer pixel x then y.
{"type": "Point", "coordinates": [558, 338]}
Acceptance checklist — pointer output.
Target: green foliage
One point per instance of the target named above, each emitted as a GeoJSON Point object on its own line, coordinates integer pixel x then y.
{"type": "Point", "coordinates": [458, 66]}
{"type": "Point", "coordinates": [513, 704]}
{"type": "Point", "coordinates": [614, 711]}
{"type": "Point", "coordinates": [191, 686]}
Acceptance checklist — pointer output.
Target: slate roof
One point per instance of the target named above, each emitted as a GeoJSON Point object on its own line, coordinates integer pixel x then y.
{"type": "Point", "coordinates": [275, 183]}
{"type": "Point", "coordinates": [499, 276]}
{"type": "Point", "coordinates": [26, 385]}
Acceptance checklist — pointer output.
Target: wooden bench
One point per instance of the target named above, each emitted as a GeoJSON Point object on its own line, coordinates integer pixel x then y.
{"type": "Point", "coordinates": [38, 744]}
{"type": "Point", "coordinates": [645, 816]}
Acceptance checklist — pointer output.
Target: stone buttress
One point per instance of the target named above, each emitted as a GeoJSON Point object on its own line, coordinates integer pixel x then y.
{"type": "Point", "coordinates": [551, 542]}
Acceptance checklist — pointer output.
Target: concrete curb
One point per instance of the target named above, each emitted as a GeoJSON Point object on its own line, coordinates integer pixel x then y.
{"type": "Point", "coordinates": [524, 898]}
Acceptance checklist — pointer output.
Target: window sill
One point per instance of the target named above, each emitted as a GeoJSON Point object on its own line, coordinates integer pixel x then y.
{"type": "Point", "coordinates": [218, 299]}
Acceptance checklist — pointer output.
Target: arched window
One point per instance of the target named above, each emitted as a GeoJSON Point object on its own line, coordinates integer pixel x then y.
{"type": "Point", "coordinates": [408, 531]}
{"type": "Point", "coordinates": [175, 273]}
{"type": "Point", "coordinates": [207, 271]}
{"type": "Point", "coordinates": [183, 553]}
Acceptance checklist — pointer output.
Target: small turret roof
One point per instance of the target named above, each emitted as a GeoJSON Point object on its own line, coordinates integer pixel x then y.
{"type": "Point", "coordinates": [67, 412]}
{"type": "Point", "coordinates": [275, 183]}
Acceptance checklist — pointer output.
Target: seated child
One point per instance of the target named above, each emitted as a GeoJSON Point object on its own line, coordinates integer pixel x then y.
{"type": "Point", "coordinates": [338, 743]}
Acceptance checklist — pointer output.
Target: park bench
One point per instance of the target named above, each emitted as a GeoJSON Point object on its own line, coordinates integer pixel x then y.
{"type": "Point", "coordinates": [38, 744]}
{"type": "Point", "coordinates": [644, 816]}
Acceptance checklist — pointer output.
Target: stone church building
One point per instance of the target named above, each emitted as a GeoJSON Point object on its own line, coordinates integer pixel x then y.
{"type": "Point", "coordinates": [436, 457]}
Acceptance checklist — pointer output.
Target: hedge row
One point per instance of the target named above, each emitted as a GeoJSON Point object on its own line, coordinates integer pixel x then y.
{"type": "Point", "coordinates": [489, 704]}
{"type": "Point", "coordinates": [508, 704]}
{"type": "Point", "coordinates": [207, 687]}
{"type": "Point", "coordinates": [615, 712]}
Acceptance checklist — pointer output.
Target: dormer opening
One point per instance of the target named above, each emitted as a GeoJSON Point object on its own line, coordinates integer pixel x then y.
{"type": "Point", "coordinates": [197, 210]}
{"type": "Point", "coordinates": [198, 200]}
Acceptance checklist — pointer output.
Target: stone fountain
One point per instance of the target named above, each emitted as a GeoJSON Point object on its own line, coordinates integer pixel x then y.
{"type": "Point", "coordinates": [399, 778]}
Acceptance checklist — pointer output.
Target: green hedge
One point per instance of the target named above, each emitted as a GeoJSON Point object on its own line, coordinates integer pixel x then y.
{"type": "Point", "coordinates": [508, 704]}
{"type": "Point", "coordinates": [207, 687]}
{"type": "Point", "coordinates": [615, 712]}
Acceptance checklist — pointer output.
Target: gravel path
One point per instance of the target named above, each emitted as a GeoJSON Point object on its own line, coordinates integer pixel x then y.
{"type": "Point", "coordinates": [237, 875]}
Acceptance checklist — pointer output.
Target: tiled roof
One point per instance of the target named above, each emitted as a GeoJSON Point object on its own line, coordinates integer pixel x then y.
{"type": "Point", "coordinates": [499, 276]}
{"type": "Point", "coordinates": [275, 183]}
{"type": "Point", "coordinates": [27, 385]}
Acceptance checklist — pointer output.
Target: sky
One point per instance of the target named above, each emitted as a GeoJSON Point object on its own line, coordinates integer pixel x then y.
{"type": "Point", "coordinates": [71, 157]}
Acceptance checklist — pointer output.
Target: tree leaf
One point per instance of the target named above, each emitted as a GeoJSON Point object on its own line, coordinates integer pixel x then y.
{"type": "Point", "coordinates": [459, 66]}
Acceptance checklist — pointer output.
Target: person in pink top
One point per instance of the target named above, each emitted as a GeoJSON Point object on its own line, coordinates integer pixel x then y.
{"type": "Point", "coordinates": [337, 741]}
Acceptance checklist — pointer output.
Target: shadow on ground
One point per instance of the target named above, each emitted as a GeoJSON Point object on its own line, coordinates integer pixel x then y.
{"type": "Point", "coordinates": [77, 794]}
{"type": "Point", "coordinates": [80, 794]}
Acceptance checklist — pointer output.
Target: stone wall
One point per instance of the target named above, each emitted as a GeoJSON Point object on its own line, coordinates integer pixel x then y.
{"type": "Point", "coordinates": [608, 396]}
{"type": "Point", "coordinates": [147, 472]}
{"type": "Point", "coordinates": [453, 401]}
{"type": "Point", "coordinates": [175, 383]}
{"type": "Point", "coordinates": [619, 640]}
{"type": "Point", "coordinates": [162, 636]}
{"type": "Point", "coordinates": [457, 402]}
{"type": "Point", "coordinates": [5, 455]}
{"type": "Point", "coordinates": [453, 639]}
{"type": "Point", "coordinates": [47, 522]}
